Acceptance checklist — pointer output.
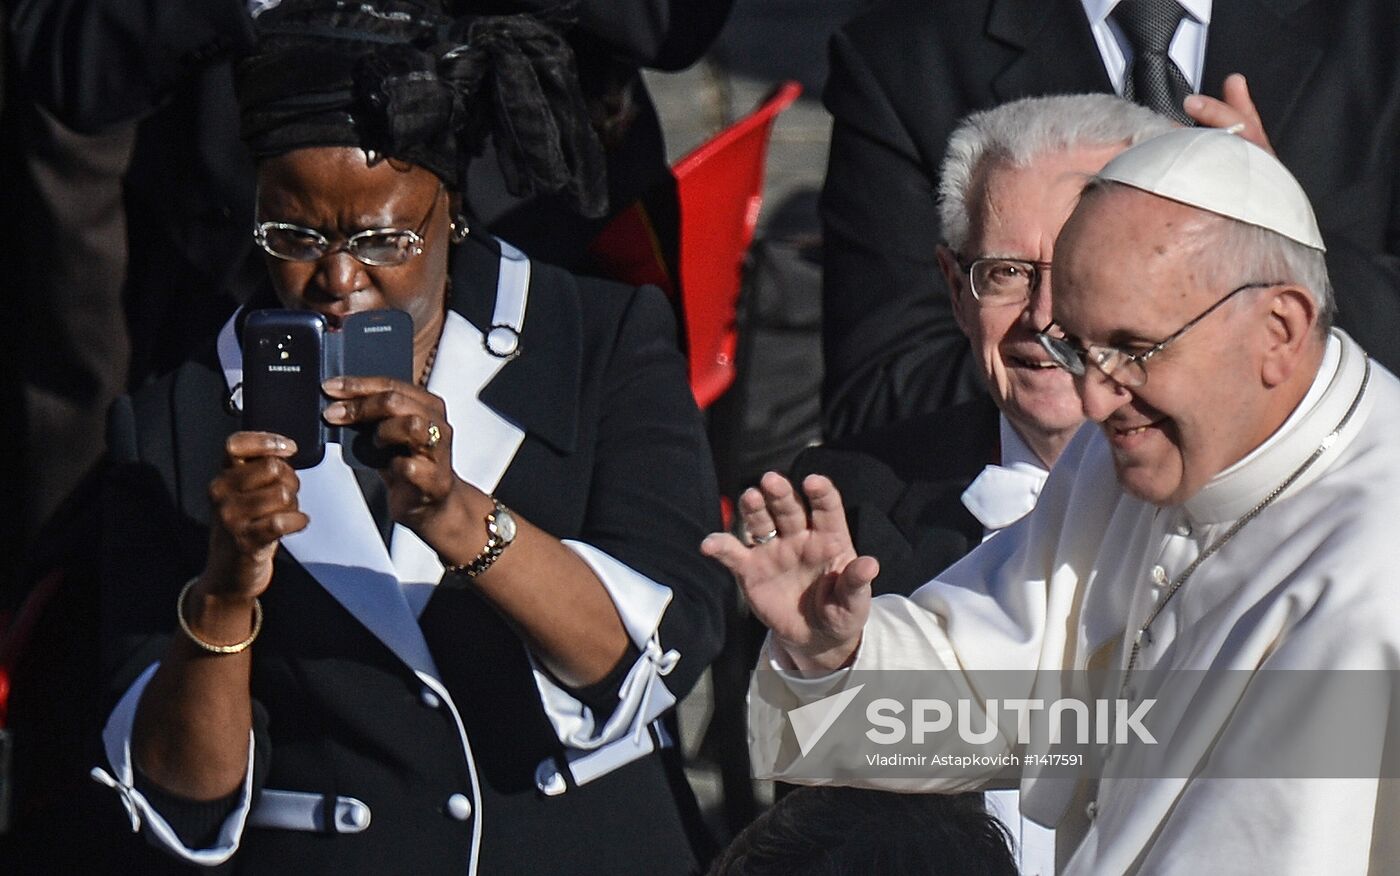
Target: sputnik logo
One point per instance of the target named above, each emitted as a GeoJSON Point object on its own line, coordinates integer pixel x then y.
{"type": "Point", "coordinates": [810, 722]}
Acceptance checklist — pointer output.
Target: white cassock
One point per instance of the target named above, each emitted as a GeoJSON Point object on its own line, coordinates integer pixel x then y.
{"type": "Point", "coordinates": [1311, 582]}
{"type": "Point", "coordinates": [999, 496]}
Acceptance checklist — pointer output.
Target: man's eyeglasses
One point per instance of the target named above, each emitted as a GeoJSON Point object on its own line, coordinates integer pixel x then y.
{"type": "Point", "coordinates": [997, 282]}
{"type": "Point", "coordinates": [1124, 368]}
{"type": "Point", "coordinates": [377, 247]}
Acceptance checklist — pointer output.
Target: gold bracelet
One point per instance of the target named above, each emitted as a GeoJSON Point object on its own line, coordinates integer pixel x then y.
{"type": "Point", "coordinates": [216, 649]}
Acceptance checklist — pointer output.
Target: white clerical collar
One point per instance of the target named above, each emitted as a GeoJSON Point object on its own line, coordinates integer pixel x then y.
{"type": "Point", "coordinates": [1003, 494]}
{"type": "Point", "coordinates": [1243, 485]}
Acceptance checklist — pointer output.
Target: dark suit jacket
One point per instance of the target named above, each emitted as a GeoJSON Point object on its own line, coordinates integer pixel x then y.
{"type": "Point", "coordinates": [902, 489]}
{"type": "Point", "coordinates": [1322, 72]}
{"type": "Point", "coordinates": [614, 455]}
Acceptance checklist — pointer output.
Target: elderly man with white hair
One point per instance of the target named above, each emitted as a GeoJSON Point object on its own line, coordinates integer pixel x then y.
{"type": "Point", "coordinates": [1230, 507]}
{"type": "Point", "coordinates": [921, 493]}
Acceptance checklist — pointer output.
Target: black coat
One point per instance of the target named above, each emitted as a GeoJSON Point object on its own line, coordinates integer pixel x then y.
{"type": "Point", "coordinates": [1322, 72]}
{"type": "Point", "coordinates": [902, 489]}
{"type": "Point", "coordinates": [613, 455]}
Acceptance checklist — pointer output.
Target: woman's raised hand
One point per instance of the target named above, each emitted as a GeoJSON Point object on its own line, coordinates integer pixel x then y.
{"type": "Point", "coordinates": [255, 504]}
{"type": "Point", "coordinates": [801, 574]}
{"type": "Point", "coordinates": [414, 422]}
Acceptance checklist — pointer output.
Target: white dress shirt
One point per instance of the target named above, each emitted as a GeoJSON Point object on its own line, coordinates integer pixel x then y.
{"type": "Point", "coordinates": [1188, 48]}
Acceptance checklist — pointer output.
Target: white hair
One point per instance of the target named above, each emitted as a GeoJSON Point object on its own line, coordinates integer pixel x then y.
{"type": "Point", "coordinates": [1018, 132]}
{"type": "Point", "coordinates": [1252, 254]}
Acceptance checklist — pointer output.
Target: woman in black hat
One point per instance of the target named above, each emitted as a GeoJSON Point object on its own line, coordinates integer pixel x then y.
{"type": "Point", "coordinates": [465, 661]}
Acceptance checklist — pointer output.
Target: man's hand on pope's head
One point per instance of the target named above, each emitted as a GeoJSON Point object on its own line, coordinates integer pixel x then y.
{"type": "Point", "coordinates": [800, 575]}
{"type": "Point", "coordinates": [1237, 108]}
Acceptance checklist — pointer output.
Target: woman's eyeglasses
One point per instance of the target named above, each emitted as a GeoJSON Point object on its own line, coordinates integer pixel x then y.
{"type": "Point", "coordinates": [377, 247]}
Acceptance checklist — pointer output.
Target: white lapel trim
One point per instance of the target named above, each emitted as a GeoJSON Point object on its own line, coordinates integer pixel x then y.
{"type": "Point", "coordinates": [231, 361]}
{"type": "Point", "coordinates": [464, 366]}
{"type": "Point", "coordinates": [480, 455]}
{"type": "Point", "coordinates": [341, 549]}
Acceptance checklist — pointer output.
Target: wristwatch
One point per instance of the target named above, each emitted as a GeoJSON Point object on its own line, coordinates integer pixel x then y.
{"type": "Point", "coordinates": [500, 532]}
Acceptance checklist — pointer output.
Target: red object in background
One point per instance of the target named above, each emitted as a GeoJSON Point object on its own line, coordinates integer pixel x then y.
{"type": "Point", "coordinates": [15, 632]}
{"type": "Point", "coordinates": [720, 189]}
{"type": "Point", "coordinates": [627, 250]}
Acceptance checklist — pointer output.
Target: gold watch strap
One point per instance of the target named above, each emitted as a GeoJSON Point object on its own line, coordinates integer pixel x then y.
{"type": "Point", "coordinates": [495, 543]}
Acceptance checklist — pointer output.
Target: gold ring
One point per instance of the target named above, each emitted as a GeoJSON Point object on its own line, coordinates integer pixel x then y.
{"type": "Point", "coordinates": [434, 435]}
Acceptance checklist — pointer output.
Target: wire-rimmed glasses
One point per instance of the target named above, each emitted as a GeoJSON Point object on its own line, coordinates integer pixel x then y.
{"type": "Point", "coordinates": [1124, 368]}
{"type": "Point", "coordinates": [998, 282]}
{"type": "Point", "coordinates": [377, 247]}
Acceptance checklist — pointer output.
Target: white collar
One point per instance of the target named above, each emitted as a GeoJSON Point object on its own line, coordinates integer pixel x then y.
{"type": "Point", "coordinates": [1002, 494]}
{"type": "Point", "coordinates": [1015, 452]}
{"type": "Point", "coordinates": [1243, 485]}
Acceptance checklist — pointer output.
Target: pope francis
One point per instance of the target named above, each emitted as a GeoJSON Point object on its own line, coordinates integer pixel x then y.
{"type": "Point", "coordinates": [1230, 506]}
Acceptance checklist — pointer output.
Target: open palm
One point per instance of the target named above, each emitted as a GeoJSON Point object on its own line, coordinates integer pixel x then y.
{"type": "Point", "coordinates": [802, 577]}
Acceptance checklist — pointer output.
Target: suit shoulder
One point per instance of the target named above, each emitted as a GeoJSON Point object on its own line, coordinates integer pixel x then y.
{"type": "Point", "coordinates": [917, 21]}
{"type": "Point", "coordinates": [184, 408]}
{"type": "Point", "coordinates": [595, 293]}
{"type": "Point", "coordinates": [953, 442]}
{"type": "Point", "coordinates": [931, 62]}
{"type": "Point", "coordinates": [608, 302]}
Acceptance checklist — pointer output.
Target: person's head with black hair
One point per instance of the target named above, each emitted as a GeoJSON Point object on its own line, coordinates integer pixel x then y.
{"type": "Point", "coordinates": [362, 117]}
{"type": "Point", "coordinates": [831, 831]}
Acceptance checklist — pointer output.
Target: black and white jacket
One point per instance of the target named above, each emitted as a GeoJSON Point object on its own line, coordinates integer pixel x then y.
{"type": "Point", "coordinates": [404, 727]}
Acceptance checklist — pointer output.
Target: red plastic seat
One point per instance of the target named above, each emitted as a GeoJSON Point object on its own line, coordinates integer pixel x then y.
{"type": "Point", "coordinates": [720, 188]}
{"type": "Point", "coordinates": [720, 185]}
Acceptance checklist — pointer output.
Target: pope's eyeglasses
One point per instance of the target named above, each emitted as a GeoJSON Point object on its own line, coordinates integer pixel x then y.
{"type": "Point", "coordinates": [1124, 368]}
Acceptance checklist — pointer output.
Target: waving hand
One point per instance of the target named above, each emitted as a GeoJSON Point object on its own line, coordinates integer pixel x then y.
{"type": "Point", "coordinates": [801, 574]}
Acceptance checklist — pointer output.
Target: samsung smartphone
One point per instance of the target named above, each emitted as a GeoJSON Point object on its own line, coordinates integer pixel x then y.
{"type": "Point", "coordinates": [284, 354]}
{"type": "Point", "coordinates": [373, 343]}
